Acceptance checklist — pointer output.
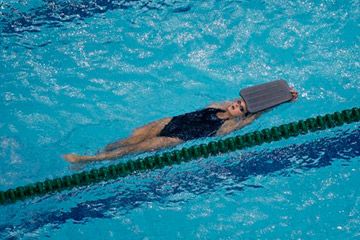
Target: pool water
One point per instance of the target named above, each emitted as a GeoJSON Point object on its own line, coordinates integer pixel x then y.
{"type": "Point", "coordinates": [76, 75]}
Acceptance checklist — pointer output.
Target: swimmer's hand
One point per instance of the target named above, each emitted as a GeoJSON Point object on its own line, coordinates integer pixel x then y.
{"type": "Point", "coordinates": [294, 94]}
{"type": "Point", "coordinates": [73, 158]}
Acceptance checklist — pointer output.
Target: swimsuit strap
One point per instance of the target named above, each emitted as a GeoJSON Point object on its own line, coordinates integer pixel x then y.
{"type": "Point", "coordinates": [219, 110]}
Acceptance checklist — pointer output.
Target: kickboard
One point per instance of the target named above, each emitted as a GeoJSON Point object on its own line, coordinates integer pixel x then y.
{"type": "Point", "coordinates": [267, 95]}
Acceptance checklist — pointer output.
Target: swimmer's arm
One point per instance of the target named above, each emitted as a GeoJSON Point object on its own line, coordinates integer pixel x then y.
{"type": "Point", "coordinates": [235, 124]}
{"type": "Point", "coordinates": [252, 117]}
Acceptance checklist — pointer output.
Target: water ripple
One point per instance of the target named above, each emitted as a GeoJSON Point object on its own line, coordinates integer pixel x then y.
{"type": "Point", "coordinates": [56, 13]}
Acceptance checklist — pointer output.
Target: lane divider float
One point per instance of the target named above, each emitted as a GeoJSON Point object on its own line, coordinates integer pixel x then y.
{"type": "Point", "coordinates": [213, 148]}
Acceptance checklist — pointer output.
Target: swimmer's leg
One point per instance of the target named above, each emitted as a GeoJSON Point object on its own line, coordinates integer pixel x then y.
{"type": "Point", "coordinates": [123, 143]}
{"type": "Point", "coordinates": [140, 134]}
{"type": "Point", "coordinates": [146, 145]}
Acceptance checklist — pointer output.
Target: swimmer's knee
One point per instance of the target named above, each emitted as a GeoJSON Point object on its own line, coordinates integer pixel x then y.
{"type": "Point", "coordinates": [144, 129]}
{"type": "Point", "coordinates": [138, 131]}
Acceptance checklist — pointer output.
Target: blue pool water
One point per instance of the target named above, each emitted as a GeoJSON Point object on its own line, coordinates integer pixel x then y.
{"type": "Point", "coordinates": [76, 75]}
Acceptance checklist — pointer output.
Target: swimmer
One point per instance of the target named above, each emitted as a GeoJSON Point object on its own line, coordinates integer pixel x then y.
{"type": "Point", "coordinates": [215, 120]}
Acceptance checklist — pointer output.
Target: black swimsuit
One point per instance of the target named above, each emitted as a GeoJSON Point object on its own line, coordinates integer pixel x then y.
{"type": "Point", "coordinates": [198, 124]}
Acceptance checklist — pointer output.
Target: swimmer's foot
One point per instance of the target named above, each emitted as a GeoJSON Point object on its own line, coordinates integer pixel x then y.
{"type": "Point", "coordinates": [73, 158]}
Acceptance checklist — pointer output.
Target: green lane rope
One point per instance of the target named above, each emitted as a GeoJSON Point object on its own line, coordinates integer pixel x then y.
{"type": "Point", "coordinates": [186, 154]}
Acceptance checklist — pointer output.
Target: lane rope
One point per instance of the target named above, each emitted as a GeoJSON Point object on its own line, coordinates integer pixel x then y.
{"type": "Point", "coordinates": [213, 148]}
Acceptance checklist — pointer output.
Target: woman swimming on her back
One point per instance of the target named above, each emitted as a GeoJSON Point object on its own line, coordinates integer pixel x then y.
{"type": "Point", "coordinates": [214, 120]}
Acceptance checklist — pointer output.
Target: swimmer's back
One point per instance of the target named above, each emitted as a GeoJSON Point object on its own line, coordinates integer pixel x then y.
{"type": "Point", "coordinates": [197, 124]}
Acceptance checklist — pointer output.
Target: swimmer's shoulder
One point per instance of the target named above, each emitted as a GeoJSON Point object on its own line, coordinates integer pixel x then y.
{"type": "Point", "coordinates": [221, 105]}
